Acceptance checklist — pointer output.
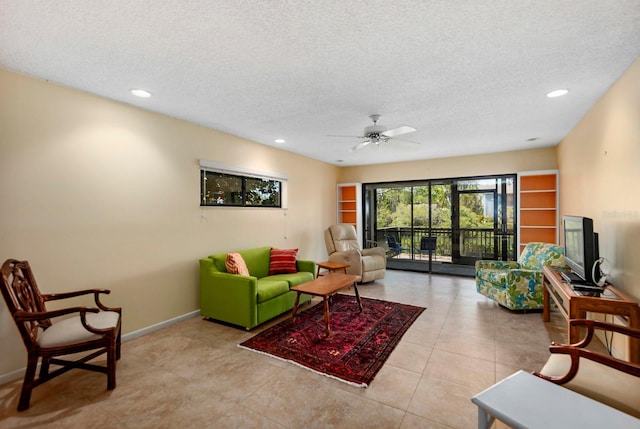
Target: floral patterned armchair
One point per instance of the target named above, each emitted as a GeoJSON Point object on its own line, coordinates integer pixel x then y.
{"type": "Point", "coordinates": [518, 285]}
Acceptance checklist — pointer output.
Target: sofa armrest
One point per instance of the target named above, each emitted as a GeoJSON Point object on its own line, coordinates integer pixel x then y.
{"type": "Point", "coordinates": [523, 279]}
{"type": "Point", "coordinates": [228, 297]}
{"type": "Point", "coordinates": [306, 266]}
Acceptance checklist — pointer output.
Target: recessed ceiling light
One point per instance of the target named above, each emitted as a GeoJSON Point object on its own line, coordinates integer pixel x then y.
{"type": "Point", "coordinates": [557, 93]}
{"type": "Point", "coordinates": [279, 140]}
{"type": "Point", "coordinates": [141, 93]}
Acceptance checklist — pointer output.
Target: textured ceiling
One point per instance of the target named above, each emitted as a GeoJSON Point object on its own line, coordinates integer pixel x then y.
{"type": "Point", "coordinates": [470, 76]}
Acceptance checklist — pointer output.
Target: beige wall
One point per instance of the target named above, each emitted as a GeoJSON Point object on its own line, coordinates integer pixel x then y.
{"type": "Point", "coordinates": [98, 194]}
{"type": "Point", "coordinates": [462, 166]}
{"type": "Point", "coordinates": [599, 163]}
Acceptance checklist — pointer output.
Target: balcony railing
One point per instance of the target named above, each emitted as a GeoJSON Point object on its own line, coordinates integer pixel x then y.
{"type": "Point", "coordinates": [476, 243]}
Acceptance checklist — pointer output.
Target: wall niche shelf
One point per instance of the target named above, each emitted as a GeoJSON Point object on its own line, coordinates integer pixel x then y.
{"type": "Point", "coordinates": [538, 210]}
{"type": "Point", "coordinates": [349, 203]}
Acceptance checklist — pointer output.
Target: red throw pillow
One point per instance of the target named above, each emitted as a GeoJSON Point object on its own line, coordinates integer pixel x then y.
{"type": "Point", "coordinates": [283, 261]}
{"type": "Point", "coordinates": [235, 264]}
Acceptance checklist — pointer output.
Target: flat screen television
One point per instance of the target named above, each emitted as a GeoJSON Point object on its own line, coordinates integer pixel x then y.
{"type": "Point", "coordinates": [581, 247]}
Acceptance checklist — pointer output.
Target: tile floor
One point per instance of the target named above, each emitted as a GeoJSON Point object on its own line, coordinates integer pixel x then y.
{"type": "Point", "coordinates": [193, 375]}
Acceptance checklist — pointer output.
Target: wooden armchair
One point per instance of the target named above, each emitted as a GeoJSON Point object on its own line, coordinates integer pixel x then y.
{"type": "Point", "coordinates": [609, 380]}
{"type": "Point", "coordinates": [84, 329]}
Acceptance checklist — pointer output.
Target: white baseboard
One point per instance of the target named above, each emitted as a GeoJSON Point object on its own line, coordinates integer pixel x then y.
{"type": "Point", "coordinates": [19, 373]}
{"type": "Point", "coordinates": [166, 323]}
{"type": "Point", "coordinates": [9, 377]}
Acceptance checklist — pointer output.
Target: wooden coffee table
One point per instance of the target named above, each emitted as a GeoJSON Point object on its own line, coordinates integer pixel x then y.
{"type": "Point", "coordinates": [326, 286]}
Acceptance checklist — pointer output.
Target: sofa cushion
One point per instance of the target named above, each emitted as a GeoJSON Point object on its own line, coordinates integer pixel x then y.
{"type": "Point", "coordinates": [293, 279]}
{"type": "Point", "coordinates": [270, 288]}
{"type": "Point", "coordinates": [235, 264]}
{"type": "Point", "coordinates": [283, 261]}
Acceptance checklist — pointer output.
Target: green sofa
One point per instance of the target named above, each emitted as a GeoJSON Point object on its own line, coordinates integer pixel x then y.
{"type": "Point", "coordinates": [251, 300]}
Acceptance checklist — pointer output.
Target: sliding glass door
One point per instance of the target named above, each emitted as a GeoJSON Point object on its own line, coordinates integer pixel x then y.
{"type": "Point", "coordinates": [442, 225]}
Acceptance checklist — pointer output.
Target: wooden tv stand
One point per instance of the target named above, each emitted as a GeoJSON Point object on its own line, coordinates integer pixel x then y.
{"type": "Point", "coordinates": [572, 305]}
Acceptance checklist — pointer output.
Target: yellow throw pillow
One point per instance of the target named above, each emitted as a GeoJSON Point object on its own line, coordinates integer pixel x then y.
{"type": "Point", "coordinates": [235, 264]}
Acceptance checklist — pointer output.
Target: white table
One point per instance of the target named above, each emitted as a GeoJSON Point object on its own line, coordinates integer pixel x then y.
{"type": "Point", "coordinates": [523, 400]}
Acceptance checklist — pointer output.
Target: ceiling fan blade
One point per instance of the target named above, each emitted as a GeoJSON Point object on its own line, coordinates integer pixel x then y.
{"type": "Point", "coordinates": [404, 140]}
{"type": "Point", "coordinates": [360, 145]}
{"type": "Point", "coordinates": [351, 137]}
{"type": "Point", "coordinates": [398, 131]}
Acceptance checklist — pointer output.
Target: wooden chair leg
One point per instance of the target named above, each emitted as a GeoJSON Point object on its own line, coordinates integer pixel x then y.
{"type": "Point", "coordinates": [44, 367]}
{"type": "Point", "coordinates": [111, 365]}
{"type": "Point", "coordinates": [27, 384]}
{"type": "Point", "coordinates": [118, 343]}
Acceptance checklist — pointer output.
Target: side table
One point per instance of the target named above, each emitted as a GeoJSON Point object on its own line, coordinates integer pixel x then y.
{"type": "Point", "coordinates": [332, 267]}
{"type": "Point", "coordinates": [574, 305]}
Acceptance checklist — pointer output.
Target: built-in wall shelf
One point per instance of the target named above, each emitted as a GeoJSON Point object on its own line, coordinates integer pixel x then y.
{"type": "Point", "coordinates": [349, 205]}
{"type": "Point", "coordinates": [538, 210]}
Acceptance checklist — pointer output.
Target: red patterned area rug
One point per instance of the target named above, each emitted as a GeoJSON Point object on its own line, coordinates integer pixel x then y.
{"type": "Point", "coordinates": [357, 347]}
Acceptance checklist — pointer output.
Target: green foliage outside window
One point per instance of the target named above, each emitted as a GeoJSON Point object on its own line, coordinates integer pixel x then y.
{"type": "Point", "coordinates": [394, 207]}
{"type": "Point", "coordinates": [221, 189]}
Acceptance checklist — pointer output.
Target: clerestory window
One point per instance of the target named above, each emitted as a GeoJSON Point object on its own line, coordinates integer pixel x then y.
{"type": "Point", "coordinates": [221, 187]}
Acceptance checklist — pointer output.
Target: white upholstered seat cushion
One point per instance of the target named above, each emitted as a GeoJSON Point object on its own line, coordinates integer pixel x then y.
{"type": "Point", "coordinates": [71, 331]}
{"type": "Point", "coordinates": [600, 382]}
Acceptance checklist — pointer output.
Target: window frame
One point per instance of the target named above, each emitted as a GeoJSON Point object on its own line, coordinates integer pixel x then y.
{"type": "Point", "coordinates": [209, 170]}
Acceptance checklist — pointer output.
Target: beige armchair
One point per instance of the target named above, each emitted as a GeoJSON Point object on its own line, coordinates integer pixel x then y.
{"type": "Point", "coordinates": [342, 246]}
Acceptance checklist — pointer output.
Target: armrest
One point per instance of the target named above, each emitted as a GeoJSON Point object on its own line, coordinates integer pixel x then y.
{"type": "Point", "coordinates": [224, 281]}
{"type": "Point", "coordinates": [228, 297]}
{"type": "Point", "coordinates": [96, 297]}
{"type": "Point", "coordinates": [33, 316]}
{"type": "Point", "coordinates": [592, 325]}
{"type": "Point", "coordinates": [306, 265]}
{"type": "Point", "coordinates": [375, 251]}
{"type": "Point", "coordinates": [65, 295]}
{"type": "Point", "coordinates": [520, 279]}
{"type": "Point", "coordinates": [370, 243]}
{"type": "Point", "coordinates": [578, 350]}
{"type": "Point", "coordinates": [219, 289]}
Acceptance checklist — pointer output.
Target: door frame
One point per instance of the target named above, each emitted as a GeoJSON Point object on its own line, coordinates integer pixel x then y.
{"type": "Point", "coordinates": [501, 233]}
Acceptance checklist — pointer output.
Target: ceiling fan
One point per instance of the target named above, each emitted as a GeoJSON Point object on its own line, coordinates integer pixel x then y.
{"type": "Point", "coordinates": [376, 134]}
